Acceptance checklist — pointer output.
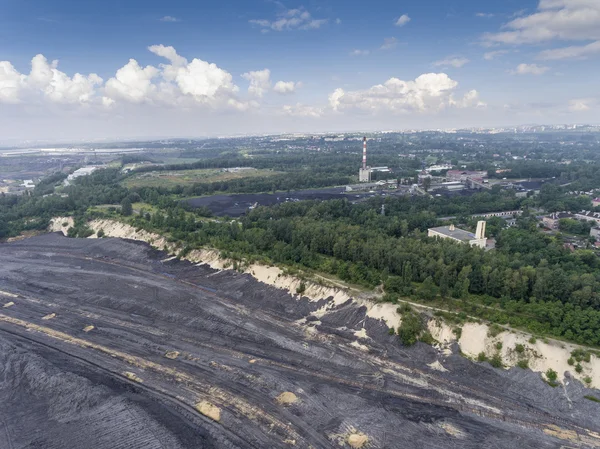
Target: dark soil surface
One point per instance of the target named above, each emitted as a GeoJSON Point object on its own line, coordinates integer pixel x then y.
{"type": "Point", "coordinates": [236, 344]}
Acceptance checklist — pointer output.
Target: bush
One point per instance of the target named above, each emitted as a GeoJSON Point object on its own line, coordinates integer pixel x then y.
{"type": "Point", "coordinates": [499, 346]}
{"type": "Point", "coordinates": [427, 338]}
{"type": "Point", "coordinates": [523, 364]}
{"type": "Point", "coordinates": [392, 331]}
{"type": "Point", "coordinates": [301, 288]}
{"type": "Point", "coordinates": [551, 375]}
{"type": "Point", "coordinates": [481, 357]}
{"type": "Point", "coordinates": [496, 361]}
{"type": "Point", "coordinates": [520, 348]}
{"type": "Point", "coordinates": [532, 340]}
{"type": "Point", "coordinates": [100, 233]}
{"type": "Point", "coordinates": [458, 332]}
{"type": "Point", "coordinates": [571, 361]}
{"type": "Point", "coordinates": [579, 368]}
{"type": "Point", "coordinates": [592, 398]}
{"type": "Point", "coordinates": [410, 329]}
{"type": "Point", "coordinates": [587, 380]}
{"type": "Point", "coordinates": [494, 330]}
{"type": "Point", "coordinates": [404, 308]}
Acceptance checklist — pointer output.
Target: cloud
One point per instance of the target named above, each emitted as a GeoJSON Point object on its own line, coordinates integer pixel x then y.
{"type": "Point", "coordinates": [338, 21]}
{"type": "Point", "coordinates": [260, 82]}
{"type": "Point", "coordinates": [168, 53]}
{"type": "Point", "coordinates": [402, 20]}
{"type": "Point", "coordinates": [553, 20]}
{"type": "Point", "coordinates": [456, 62]}
{"type": "Point", "coordinates": [582, 104]}
{"type": "Point", "coordinates": [45, 81]}
{"type": "Point", "coordinates": [286, 87]}
{"type": "Point", "coordinates": [429, 93]}
{"type": "Point", "coordinates": [301, 110]}
{"type": "Point", "coordinates": [132, 83]}
{"type": "Point", "coordinates": [389, 43]}
{"type": "Point", "coordinates": [358, 52]}
{"type": "Point", "coordinates": [290, 19]}
{"type": "Point", "coordinates": [169, 19]}
{"type": "Point", "coordinates": [572, 52]}
{"type": "Point", "coordinates": [529, 69]}
{"type": "Point", "coordinates": [493, 54]}
{"type": "Point", "coordinates": [484, 15]}
{"type": "Point", "coordinates": [11, 83]}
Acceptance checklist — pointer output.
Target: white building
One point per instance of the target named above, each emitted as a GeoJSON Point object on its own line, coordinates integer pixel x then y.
{"type": "Point", "coordinates": [85, 171]}
{"type": "Point", "coordinates": [460, 235]}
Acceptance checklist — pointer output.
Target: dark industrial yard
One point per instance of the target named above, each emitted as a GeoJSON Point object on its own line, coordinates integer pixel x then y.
{"type": "Point", "coordinates": [105, 344]}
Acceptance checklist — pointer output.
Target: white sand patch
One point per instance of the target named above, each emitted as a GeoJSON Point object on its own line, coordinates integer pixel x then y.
{"type": "Point", "coordinates": [473, 339]}
{"type": "Point", "coordinates": [357, 345]}
{"type": "Point", "coordinates": [8, 304]}
{"type": "Point", "coordinates": [56, 224]}
{"type": "Point", "coordinates": [10, 295]}
{"type": "Point", "coordinates": [437, 366]}
{"type": "Point", "coordinates": [441, 332]}
{"type": "Point", "coordinates": [383, 311]}
{"type": "Point", "coordinates": [361, 333]}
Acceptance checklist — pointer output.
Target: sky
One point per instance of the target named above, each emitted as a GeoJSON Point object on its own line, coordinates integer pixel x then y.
{"type": "Point", "coordinates": [72, 69]}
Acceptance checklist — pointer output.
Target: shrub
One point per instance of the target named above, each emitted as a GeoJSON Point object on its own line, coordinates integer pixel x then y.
{"type": "Point", "coordinates": [494, 330]}
{"type": "Point", "coordinates": [532, 340]}
{"type": "Point", "coordinates": [551, 375]}
{"type": "Point", "coordinates": [496, 361]}
{"type": "Point", "coordinates": [520, 348]}
{"type": "Point", "coordinates": [571, 361]}
{"type": "Point", "coordinates": [482, 357]}
{"type": "Point", "coordinates": [392, 331]}
{"type": "Point", "coordinates": [579, 368]}
{"type": "Point", "coordinates": [404, 308]}
{"type": "Point", "coordinates": [523, 364]}
{"type": "Point", "coordinates": [100, 233]}
{"type": "Point", "coordinates": [427, 338]}
{"type": "Point", "coordinates": [587, 380]}
{"type": "Point", "coordinates": [499, 346]}
{"type": "Point", "coordinates": [410, 329]}
{"type": "Point", "coordinates": [301, 288]}
{"type": "Point", "coordinates": [592, 398]}
{"type": "Point", "coordinates": [458, 332]}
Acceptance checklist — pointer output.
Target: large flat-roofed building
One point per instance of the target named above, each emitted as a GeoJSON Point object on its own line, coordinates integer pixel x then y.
{"type": "Point", "coordinates": [460, 235]}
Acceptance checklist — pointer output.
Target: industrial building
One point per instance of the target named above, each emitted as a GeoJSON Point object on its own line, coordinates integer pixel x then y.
{"type": "Point", "coordinates": [595, 232]}
{"type": "Point", "coordinates": [451, 232]}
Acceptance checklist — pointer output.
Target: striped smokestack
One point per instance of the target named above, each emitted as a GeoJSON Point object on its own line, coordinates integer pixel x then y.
{"type": "Point", "coordinates": [364, 153]}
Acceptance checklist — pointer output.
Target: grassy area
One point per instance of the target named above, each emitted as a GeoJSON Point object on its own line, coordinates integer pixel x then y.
{"type": "Point", "coordinates": [187, 177]}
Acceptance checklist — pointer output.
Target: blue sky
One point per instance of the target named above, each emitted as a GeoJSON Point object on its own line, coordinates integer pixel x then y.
{"type": "Point", "coordinates": [232, 66]}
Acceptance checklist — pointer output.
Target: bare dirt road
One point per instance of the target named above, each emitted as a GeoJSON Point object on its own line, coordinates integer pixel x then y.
{"type": "Point", "coordinates": [105, 345]}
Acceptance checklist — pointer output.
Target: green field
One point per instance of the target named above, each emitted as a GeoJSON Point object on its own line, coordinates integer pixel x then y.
{"type": "Point", "coordinates": [188, 177]}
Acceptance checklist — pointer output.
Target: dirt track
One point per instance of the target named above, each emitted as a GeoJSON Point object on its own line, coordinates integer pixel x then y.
{"type": "Point", "coordinates": [182, 356]}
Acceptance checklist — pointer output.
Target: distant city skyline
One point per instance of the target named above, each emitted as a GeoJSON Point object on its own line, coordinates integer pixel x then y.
{"type": "Point", "coordinates": [113, 69]}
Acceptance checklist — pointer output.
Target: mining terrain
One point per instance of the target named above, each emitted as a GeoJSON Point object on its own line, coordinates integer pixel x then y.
{"type": "Point", "coordinates": [109, 344]}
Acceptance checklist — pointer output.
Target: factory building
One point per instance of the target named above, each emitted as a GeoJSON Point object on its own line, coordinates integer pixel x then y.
{"type": "Point", "coordinates": [460, 235]}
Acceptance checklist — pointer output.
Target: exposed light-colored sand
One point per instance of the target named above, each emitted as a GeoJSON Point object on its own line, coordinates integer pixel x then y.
{"type": "Point", "coordinates": [88, 329]}
{"type": "Point", "coordinates": [287, 398]}
{"type": "Point", "coordinates": [132, 376]}
{"type": "Point", "coordinates": [172, 355]}
{"type": "Point", "coordinates": [56, 224]}
{"type": "Point", "coordinates": [361, 333]}
{"type": "Point", "coordinates": [8, 304]}
{"type": "Point", "coordinates": [10, 295]}
{"type": "Point", "coordinates": [357, 345]}
{"type": "Point", "coordinates": [357, 440]}
{"type": "Point", "coordinates": [383, 311]}
{"type": "Point", "coordinates": [49, 316]}
{"type": "Point", "coordinates": [437, 366]}
{"type": "Point", "coordinates": [209, 410]}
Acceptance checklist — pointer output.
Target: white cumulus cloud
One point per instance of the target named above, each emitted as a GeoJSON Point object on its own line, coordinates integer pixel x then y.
{"type": "Point", "coordinates": [11, 83]}
{"type": "Point", "coordinates": [530, 69]}
{"type": "Point", "coordinates": [402, 20]}
{"type": "Point", "coordinates": [301, 110]}
{"type": "Point", "coordinates": [286, 87]}
{"type": "Point", "coordinates": [430, 92]}
{"type": "Point", "coordinates": [132, 83]}
{"type": "Point", "coordinates": [260, 82]}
